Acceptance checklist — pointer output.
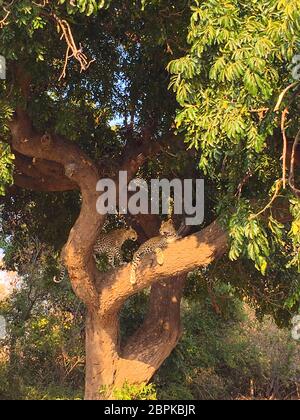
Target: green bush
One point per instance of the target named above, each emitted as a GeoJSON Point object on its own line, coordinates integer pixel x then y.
{"type": "Point", "coordinates": [229, 355]}
{"type": "Point", "coordinates": [224, 353]}
{"type": "Point", "coordinates": [135, 392]}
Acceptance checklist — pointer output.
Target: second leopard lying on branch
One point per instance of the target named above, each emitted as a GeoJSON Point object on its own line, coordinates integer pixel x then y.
{"type": "Point", "coordinates": [167, 235]}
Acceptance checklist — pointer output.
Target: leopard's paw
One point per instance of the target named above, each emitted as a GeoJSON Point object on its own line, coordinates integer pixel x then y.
{"type": "Point", "coordinates": [133, 278]}
{"type": "Point", "coordinates": [159, 256]}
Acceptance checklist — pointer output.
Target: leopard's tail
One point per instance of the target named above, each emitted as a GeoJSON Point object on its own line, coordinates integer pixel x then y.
{"type": "Point", "coordinates": [61, 276]}
{"type": "Point", "coordinates": [134, 266]}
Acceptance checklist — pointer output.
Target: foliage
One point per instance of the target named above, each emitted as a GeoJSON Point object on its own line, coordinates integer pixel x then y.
{"type": "Point", "coordinates": [295, 232]}
{"type": "Point", "coordinates": [228, 62]}
{"type": "Point", "coordinates": [227, 355]}
{"type": "Point", "coordinates": [238, 63]}
{"type": "Point", "coordinates": [247, 233]}
{"type": "Point", "coordinates": [6, 164]}
{"type": "Point", "coordinates": [45, 335]}
{"type": "Point", "coordinates": [6, 157]}
{"type": "Point", "coordinates": [222, 355]}
{"type": "Point", "coordinates": [135, 392]}
{"type": "Point", "coordinates": [87, 7]}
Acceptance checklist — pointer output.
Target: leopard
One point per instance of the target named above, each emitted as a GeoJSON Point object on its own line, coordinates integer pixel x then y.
{"type": "Point", "coordinates": [109, 244]}
{"type": "Point", "coordinates": [156, 245]}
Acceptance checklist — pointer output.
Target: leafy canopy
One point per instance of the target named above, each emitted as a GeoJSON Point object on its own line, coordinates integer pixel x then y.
{"type": "Point", "coordinates": [228, 63]}
{"type": "Point", "coordinates": [228, 84]}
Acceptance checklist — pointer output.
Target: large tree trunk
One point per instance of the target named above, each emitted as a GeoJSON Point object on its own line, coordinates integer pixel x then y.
{"type": "Point", "coordinates": [108, 364]}
{"type": "Point", "coordinates": [108, 367]}
{"type": "Point", "coordinates": [101, 355]}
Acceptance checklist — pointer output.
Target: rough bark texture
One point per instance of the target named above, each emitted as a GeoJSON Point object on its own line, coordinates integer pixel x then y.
{"type": "Point", "coordinates": [52, 163]}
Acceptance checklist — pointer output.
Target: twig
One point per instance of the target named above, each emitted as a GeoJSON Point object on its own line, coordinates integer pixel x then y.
{"type": "Point", "coordinates": [282, 95]}
{"type": "Point", "coordinates": [4, 22]}
{"type": "Point", "coordinates": [278, 188]}
{"type": "Point", "coordinates": [261, 112]}
{"type": "Point", "coordinates": [68, 56]}
{"type": "Point", "coordinates": [45, 2]}
{"type": "Point", "coordinates": [285, 145]}
{"type": "Point", "coordinates": [79, 361]}
{"type": "Point", "coordinates": [246, 178]}
{"type": "Point", "coordinates": [72, 49]}
{"type": "Point", "coordinates": [6, 8]}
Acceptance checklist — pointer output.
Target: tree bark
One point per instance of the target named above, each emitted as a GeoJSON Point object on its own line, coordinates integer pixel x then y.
{"type": "Point", "coordinates": [101, 355]}
{"type": "Point", "coordinates": [108, 365]}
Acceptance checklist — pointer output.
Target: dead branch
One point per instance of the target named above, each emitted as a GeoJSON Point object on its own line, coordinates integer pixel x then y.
{"type": "Point", "coordinates": [282, 95]}
{"type": "Point", "coordinates": [285, 145]}
{"type": "Point", "coordinates": [269, 205]}
{"type": "Point", "coordinates": [72, 49]}
{"type": "Point", "coordinates": [6, 8]}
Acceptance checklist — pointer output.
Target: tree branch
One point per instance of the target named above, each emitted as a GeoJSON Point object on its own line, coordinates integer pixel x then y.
{"type": "Point", "coordinates": [42, 185]}
{"type": "Point", "coordinates": [181, 257]}
{"type": "Point", "coordinates": [41, 175]}
{"type": "Point", "coordinates": [82, 171]}
{"type": "Point", "coordinates": [159, 334]}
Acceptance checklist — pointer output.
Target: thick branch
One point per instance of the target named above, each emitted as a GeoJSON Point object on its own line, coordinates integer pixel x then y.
{"type": "Point", "coordinates": [136, 156]}
{"type": "Point", "coordinates": [80, 170]}
{"type": "Point", "coordinates": [138, 152]}
{"type": "Point", "coordinates": [181, 257]}
{"type": "Point", "coordinates": [160, 332]}
{"type": "Point", "coordinates": [41, 175]}
{"type": "Point", "coordinates": [41, 185]}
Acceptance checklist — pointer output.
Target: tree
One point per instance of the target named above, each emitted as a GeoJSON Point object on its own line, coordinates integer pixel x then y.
{"type": "Point", "coordinates": [64, 129]}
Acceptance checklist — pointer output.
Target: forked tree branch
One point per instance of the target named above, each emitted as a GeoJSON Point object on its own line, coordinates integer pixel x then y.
{"type": "Point", "coordinates": [82, 171]}
{"type": "Point", "coordinates": [50, 153]}
{"type": "Point", "coordinates": [181, 257]}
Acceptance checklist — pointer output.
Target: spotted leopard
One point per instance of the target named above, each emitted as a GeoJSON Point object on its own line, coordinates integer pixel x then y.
{"type": "Point", "coordinates": [109, 244]}
{"type": "Point", "coordinates": [167, 235]}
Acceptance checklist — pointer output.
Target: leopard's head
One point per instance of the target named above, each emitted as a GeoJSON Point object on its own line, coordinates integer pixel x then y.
{"type": "Point", "coordinates": [167, 229]}
{"type": "Point", "coordinates": [132, 235]}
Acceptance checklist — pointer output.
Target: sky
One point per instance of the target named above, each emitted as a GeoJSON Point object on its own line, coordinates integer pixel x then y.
{"type": "Point", "coordinates": [2, 328]}
{"type": "Point", "coordinates": [7, 278]}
